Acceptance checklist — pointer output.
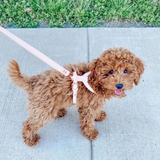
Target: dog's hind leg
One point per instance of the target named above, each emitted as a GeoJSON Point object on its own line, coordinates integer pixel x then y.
{"type": "Point", "coordinates": [29, 133]}
{"type": "Point", "coordinates": [34, 122]}
{"type": "Point", "coordinates": [61, 113]}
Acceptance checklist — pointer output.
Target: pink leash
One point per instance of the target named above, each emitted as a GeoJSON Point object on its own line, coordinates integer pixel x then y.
{"type": "Point", "coordinates": [35, 52]}
{"type": "Point", "coordinates": [51, 63]}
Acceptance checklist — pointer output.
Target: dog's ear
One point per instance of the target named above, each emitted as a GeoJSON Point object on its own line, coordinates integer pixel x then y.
{"type": "Point", "coordinates": [94, 78]}
{"type": "Point", "coordinates": [94, 68]}
{"type": "Point", "coordinates": [139, 70]}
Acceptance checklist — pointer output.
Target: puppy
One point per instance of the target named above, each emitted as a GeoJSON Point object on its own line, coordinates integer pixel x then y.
{"type": "Point", "coordinates": [50, 93]}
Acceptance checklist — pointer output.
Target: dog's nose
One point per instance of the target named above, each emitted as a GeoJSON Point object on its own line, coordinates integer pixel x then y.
{"type": "Point", "coordinates": [119, 86]}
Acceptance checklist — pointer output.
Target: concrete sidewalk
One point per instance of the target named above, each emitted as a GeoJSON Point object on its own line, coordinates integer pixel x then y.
{"type": "Point", "coordinates": [132, 129]}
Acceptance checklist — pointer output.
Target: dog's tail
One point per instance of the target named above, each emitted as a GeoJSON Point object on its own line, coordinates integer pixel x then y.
{"type": "Point", "coordinates": [16, 76]}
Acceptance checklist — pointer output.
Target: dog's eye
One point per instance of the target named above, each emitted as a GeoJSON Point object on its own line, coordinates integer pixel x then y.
{"type": "Point", "coordinates": [110, 72]}
{"type": "Point", "coordinates": [125, 71]}
{"type": "Point", "coordinates": [106, 75]}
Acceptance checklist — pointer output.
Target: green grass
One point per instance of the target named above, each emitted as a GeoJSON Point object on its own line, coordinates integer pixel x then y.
{"type": "Point", "coordinates": [77, 13]}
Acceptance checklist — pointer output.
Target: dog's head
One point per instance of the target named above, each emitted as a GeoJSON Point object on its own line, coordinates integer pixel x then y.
{"type": "Point", "coordinates": [115, 71]}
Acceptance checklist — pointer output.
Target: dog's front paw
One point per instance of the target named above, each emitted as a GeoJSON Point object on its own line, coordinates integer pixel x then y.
{"type": "Point", "coordinates": [102, 116]}
{"type": "Point", "coordinates": [92, 135]}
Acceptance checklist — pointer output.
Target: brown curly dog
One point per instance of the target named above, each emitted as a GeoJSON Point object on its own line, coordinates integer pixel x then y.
{"type": "Point", "coordinates": [50, 92]}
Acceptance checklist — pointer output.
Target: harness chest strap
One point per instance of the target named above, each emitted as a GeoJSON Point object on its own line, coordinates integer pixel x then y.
{"type": "Point", "coordinates": [83, 79]}
{"type": "Point", "coordinates": [51, 63]}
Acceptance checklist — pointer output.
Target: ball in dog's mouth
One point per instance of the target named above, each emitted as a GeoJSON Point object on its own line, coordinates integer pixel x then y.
{"type": "Point", "coordinates": [118, 92]}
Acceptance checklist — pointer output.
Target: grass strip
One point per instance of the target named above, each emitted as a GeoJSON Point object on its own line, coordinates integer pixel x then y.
{"type": "Point", "coordinates": [77, 13]}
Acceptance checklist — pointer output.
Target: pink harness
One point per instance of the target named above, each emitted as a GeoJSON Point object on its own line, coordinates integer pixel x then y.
{"type": "Point", "coordinates": [51, 63]}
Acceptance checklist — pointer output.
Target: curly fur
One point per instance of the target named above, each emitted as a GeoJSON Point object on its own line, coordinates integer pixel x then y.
{"type": "Point", "coordinates": [50, 92]}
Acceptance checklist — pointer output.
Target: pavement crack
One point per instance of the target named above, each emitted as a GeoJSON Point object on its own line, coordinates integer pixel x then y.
{"type": "Point", "coordinates": [88, 45]}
